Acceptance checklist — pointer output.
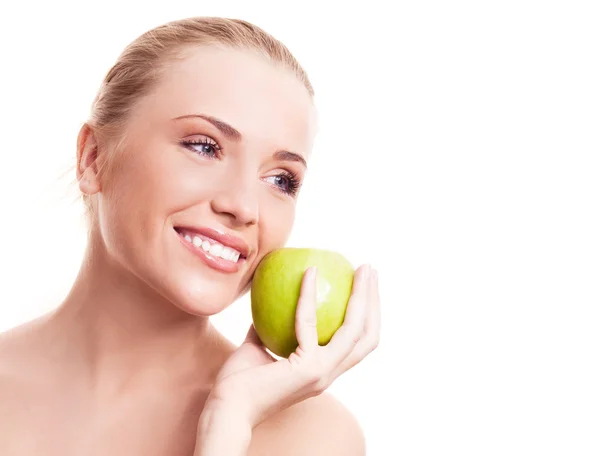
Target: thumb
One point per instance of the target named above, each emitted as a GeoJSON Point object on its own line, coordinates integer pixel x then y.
{"type": "Point", "coordinates": [252, 337]}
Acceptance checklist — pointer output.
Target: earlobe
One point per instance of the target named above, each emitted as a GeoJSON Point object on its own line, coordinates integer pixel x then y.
{"type": "Point", "coordinates": [88, 184]}
{"type": "Point", "coordinates": [87, 166]}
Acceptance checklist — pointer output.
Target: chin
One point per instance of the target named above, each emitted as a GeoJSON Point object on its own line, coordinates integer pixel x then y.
{"type": "Point", "coordinates": [203, 303]}
{"type": "Point", "coordinates": [198, 295]}
{"type": "Point", "coordinates": [183, 279]}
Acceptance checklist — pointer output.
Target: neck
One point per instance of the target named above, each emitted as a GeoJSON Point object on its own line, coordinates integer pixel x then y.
{"type": "Point", "coordinates": [119, 329]}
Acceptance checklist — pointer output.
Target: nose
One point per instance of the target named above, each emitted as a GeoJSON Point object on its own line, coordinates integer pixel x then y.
{"type": "Point", "coordinates": [237, 199]}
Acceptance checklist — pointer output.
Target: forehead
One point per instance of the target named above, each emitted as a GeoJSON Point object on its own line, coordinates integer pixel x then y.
{"type": "Point", "coordinates": [262, 100]}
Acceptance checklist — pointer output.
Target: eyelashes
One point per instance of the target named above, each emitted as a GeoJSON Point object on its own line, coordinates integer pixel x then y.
{"type": "Point", "coordinates": [287, 182]}
{"type": "Point", "coordinates": [204, 146]}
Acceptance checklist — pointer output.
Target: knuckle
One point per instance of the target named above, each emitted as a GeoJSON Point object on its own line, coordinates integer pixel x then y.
{"type": "Point", "coordinates": [374, 343]}
{"type": "Point", "coordinates": [355, 334]}
{"type": "Point", "coordinates": [366, 332]}
{"type": "Point", "coordinates": [310, 321]}
{"type": "Point", "coordinates": [370, 341]}
{"type": "Point", "coordinates": [352, 333]}
{"type": "Point", "coordinates": [315, 373]}
{"type": "Point", "coordinates": [295, 360]}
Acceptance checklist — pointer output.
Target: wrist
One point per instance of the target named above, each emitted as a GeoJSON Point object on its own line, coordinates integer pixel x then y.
{"type": "Point", "coordinates": [222, 431]}
{"type": "Point", "coordinates": [234, 402]}
{"type": "Point", "coordinates": [216, 415]}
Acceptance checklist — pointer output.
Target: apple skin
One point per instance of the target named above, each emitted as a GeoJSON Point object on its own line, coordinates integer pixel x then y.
{"type": "Point", "coordinates": [275, 291]}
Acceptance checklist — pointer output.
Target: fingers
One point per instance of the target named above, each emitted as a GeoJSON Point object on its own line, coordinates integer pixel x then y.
{"type": "Point", "coordinates": [374, 329]}
{"type": "Point", "coordinates": [349, 334]}
{"type": "Point", "coordinates": [306, 312]}
{"type": "Point", "coordinates": [277, 385]}
{"type": "Point", "coordinates": [370, 338]}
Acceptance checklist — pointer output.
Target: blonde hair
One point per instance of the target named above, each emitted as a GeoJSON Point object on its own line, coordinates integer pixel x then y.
{"type": "Point", "coordinates": [141, 64]}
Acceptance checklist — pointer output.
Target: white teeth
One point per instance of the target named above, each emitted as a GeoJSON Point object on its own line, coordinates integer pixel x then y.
{"type": "Point", "coordinates": [227, 253]}
{"type": "Point", "coordinates": [213, 247]}
{"type": "Point", "coordinates": [216, 249]}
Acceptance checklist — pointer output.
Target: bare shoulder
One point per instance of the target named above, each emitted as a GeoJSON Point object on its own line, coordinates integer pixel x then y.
{"type": "Point", "coordinates": [14, 344]}
{"type": "Point", "coordinates": [320, 426]}
{"type": "Point", "coordinates": [11, 343]}
{"type": "Point", "coordinates": [15, 355]}
{"type": "Point", "coordinates": [14, 397]}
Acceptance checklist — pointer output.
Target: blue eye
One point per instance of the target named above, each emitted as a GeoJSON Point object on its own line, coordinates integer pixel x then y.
{"type": "Point", "coordinates": [204, 145]}
{"type": "Point", "coordinates": [287, 182]}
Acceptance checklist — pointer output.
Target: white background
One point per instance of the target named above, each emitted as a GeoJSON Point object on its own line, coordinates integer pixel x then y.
{"type": "Point", "coordinates": [458, 152]}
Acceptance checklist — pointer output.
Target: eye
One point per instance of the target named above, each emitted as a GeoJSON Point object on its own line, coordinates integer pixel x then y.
{"type": "Point", "coordinates": [203, 145]}
{"type": "Point", "coordinates": [287, 182]}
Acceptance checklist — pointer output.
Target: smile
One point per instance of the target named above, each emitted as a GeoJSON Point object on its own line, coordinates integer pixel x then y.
{"type": "Point", "coordinates": [211, 246]}
{"type": "Point", "coordinates": [215, 254]}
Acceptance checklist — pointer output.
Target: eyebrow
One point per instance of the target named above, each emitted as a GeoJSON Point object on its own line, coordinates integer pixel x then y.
{"type": "Point", "coordinates": [231, 133]}
{"type": "Point", "coordinates": [223, 127]}
{"type": "Point", "coordinates": [285, 155]}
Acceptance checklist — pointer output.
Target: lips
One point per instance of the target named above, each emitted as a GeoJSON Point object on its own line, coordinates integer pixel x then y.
{"type": "Point", "coordinates": [216, 237]}
{"type": "Point", "coordinates": [220, 251]}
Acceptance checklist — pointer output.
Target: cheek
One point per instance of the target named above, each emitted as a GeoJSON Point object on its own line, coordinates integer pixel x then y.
{"type": "Point", "coordinates": [276, 222]}
{"type": "Point", "coordinates": [132, 199]}
{"type": "Point", "coordinates": [122, 219]}
{"type": "Point", "coordinates": [152, 182]}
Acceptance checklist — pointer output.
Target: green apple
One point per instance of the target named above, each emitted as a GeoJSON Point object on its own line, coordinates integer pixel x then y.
{"type": "Point", "coordinates": [276, 287]}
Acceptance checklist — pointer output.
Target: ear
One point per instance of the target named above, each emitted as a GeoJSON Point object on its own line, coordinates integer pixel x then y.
{"type": "Point", "coordinates": [87, 164]}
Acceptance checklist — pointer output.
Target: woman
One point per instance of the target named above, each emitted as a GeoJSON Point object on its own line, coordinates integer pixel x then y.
{"type": "Point", "coordinates": [190, 167]}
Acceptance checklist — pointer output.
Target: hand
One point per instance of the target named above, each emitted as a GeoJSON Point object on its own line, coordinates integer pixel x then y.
{"type": "Point", "coordinates": [255, 385]}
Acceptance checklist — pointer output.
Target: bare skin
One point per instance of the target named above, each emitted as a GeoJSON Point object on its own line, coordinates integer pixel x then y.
{"type": "Point", "coordinates": [48, 407]}
{"type": "Point", "coordinates": [127, 361]}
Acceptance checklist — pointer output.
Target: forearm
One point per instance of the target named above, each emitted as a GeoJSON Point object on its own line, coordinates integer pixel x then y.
{"type": "Point", "coordinates": [222, 433]}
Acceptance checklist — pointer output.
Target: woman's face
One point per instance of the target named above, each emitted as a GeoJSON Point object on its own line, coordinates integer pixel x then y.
{"type": "Point", "coordinates": [207, 183]}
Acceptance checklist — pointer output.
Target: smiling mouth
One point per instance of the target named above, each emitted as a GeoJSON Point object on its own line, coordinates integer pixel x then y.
{"type": "Point", "coordinates": [210, 246]}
